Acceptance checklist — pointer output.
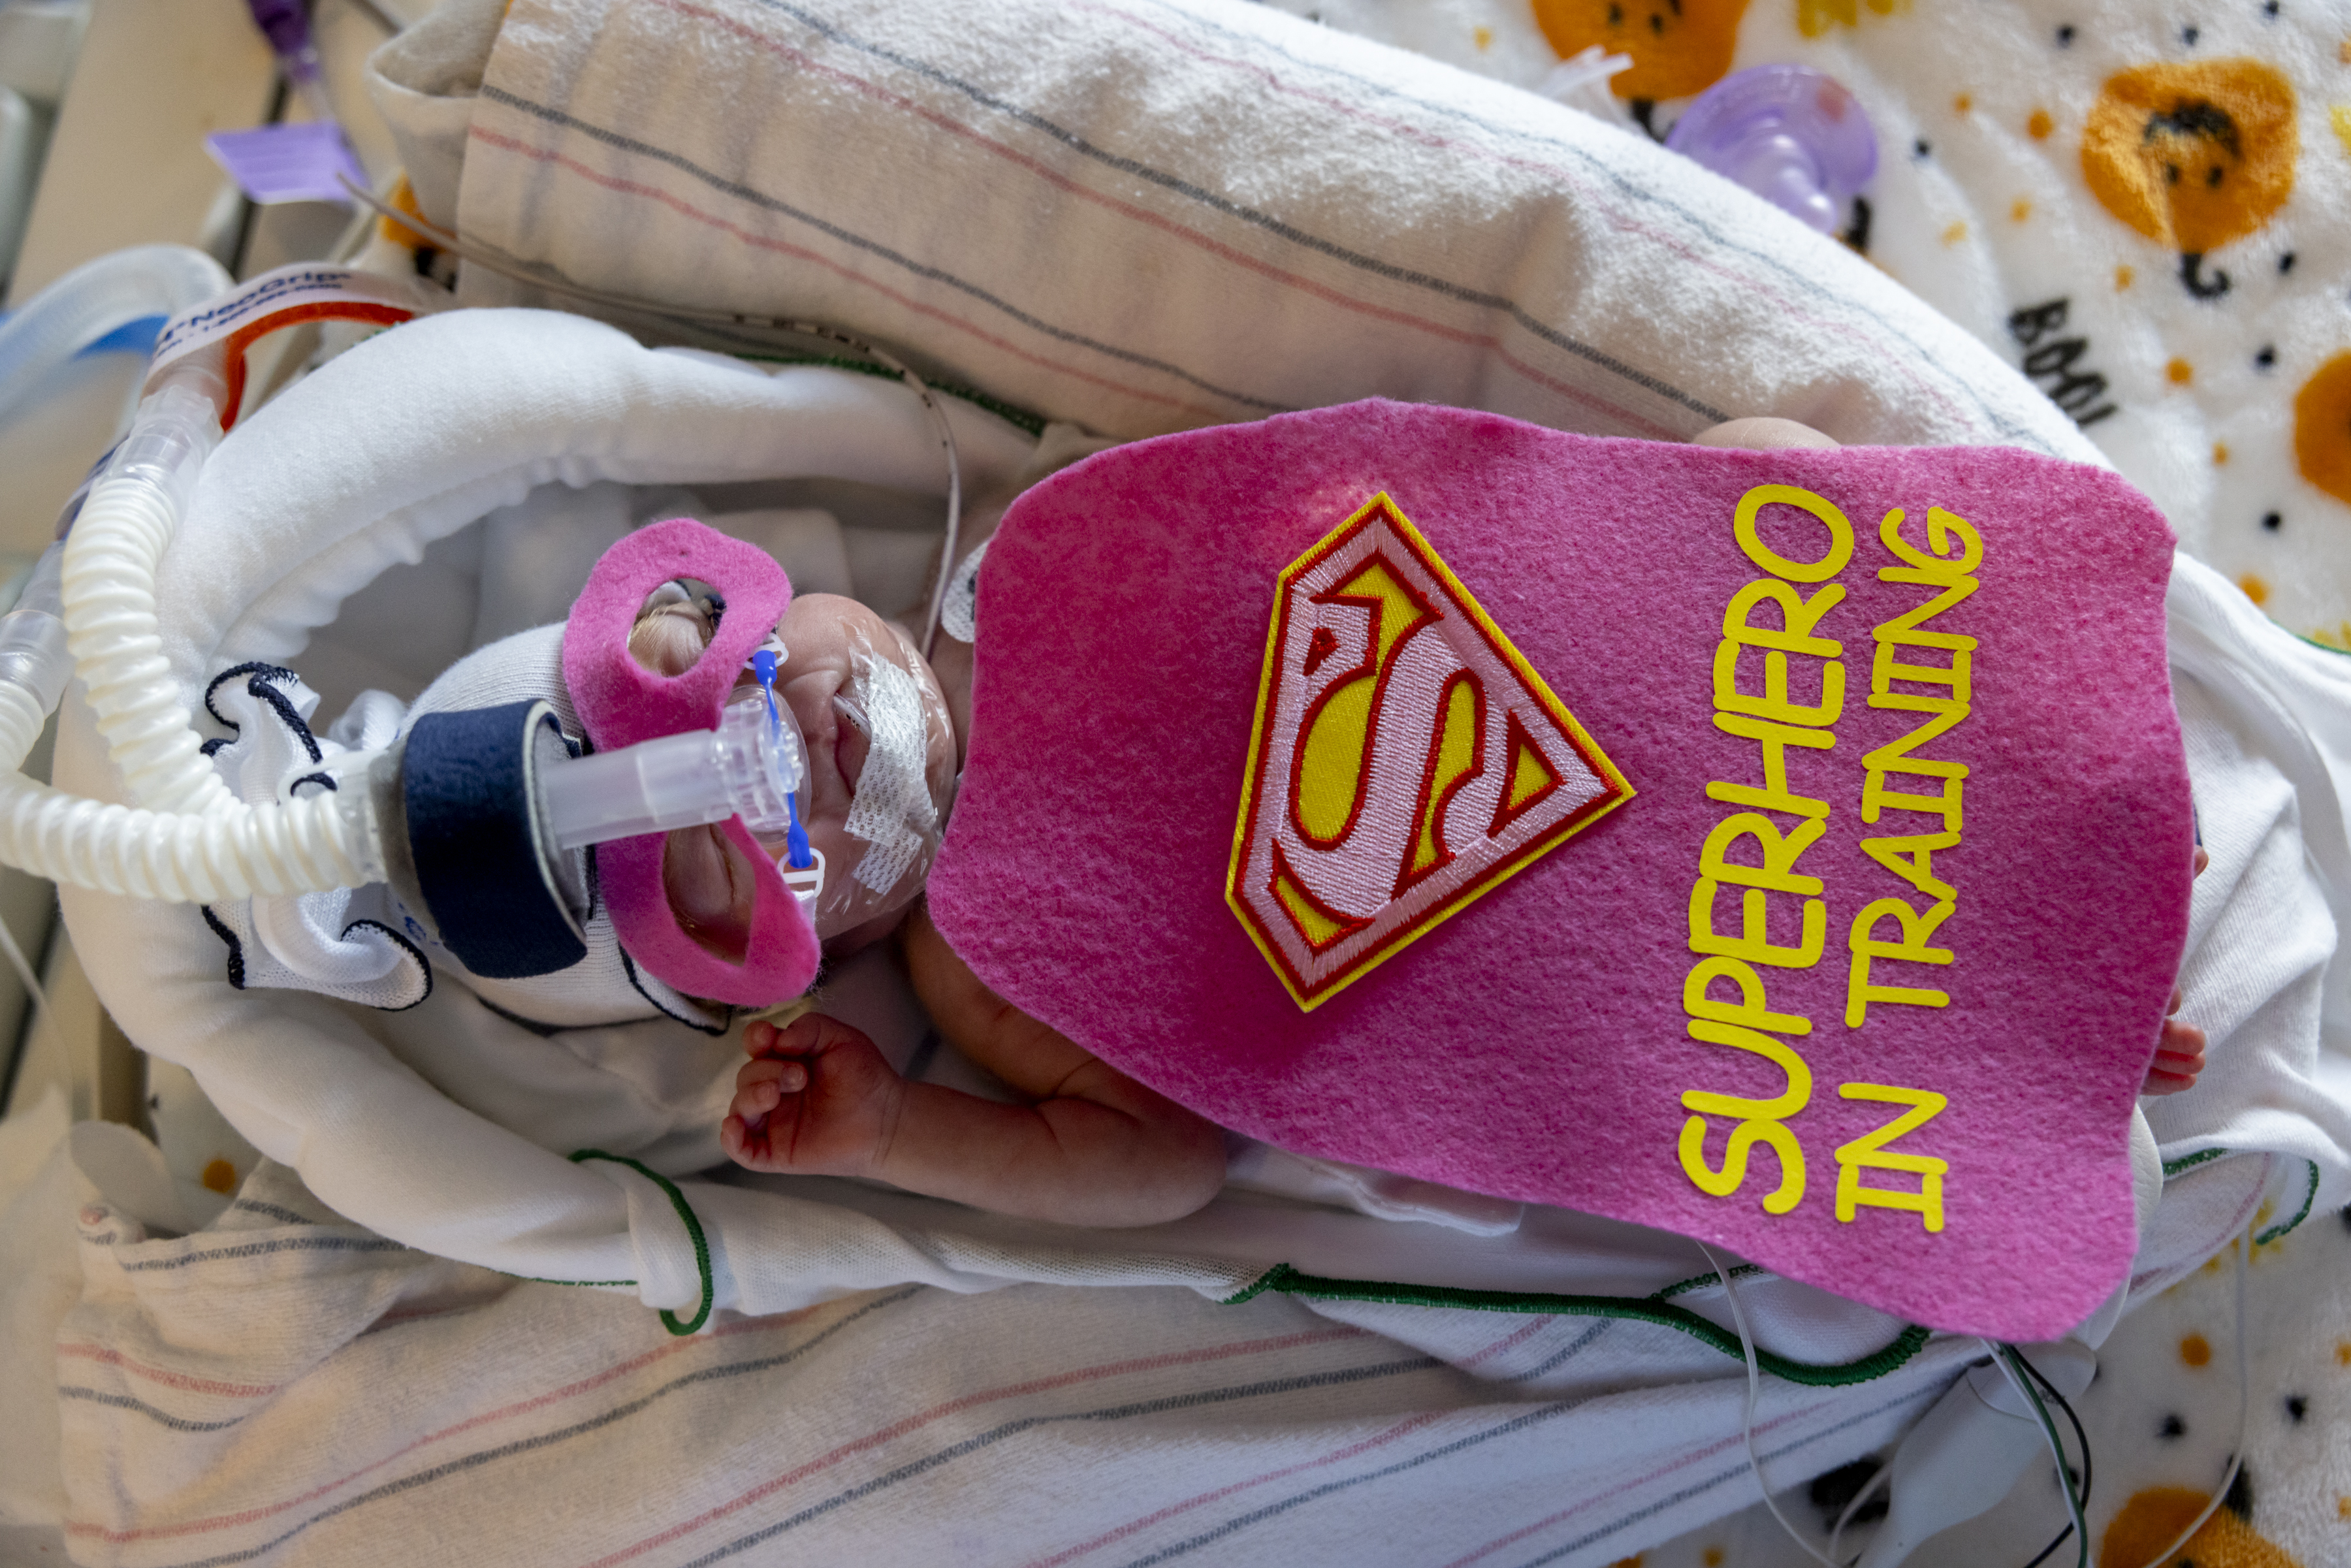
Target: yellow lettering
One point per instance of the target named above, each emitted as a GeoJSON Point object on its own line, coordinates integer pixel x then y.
{"type": "Point", "coordinates": [1751, 1010]}
{"type": "Point", "coordinates": [1724, 1182]}
{"type": "Point", "coordinates": [1774, 796]}
{"type": "Point", "coordinates": [1895, 756]}
{"type": "Point", "coordinates": [1775, 704]}
{"type": "Point", "coordinates": [1753, 943]}
{"type": "Point", "coordinates": [1907, 626]}
{"type": "Point", "coordinates": [1758, 1120]}
{"type": "Point", "coordinates": [1778, 872]}
{"type": "Point", "coordinates": [1839, 549]}
{"type": "Point", "coordinates": [1781, 1106]}
{"type": "Point", "coordinates": [1868, 1151]}
{"type": "Point", "coordinates": [1939, 567]}
{"type": "Point", "coordinates": [1797, 617]}
{"type": "Point", "coordinates": [1884, 671]}
{"type": "Point", "coordinates": [1911, 857]}
{"type": "Point", "coordinates": [1875, 798]}
{"type": "Point", "coordinates": [1912, 949]}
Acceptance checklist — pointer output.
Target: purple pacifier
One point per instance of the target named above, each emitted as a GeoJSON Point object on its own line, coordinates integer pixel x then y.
{"type": "Point", "coordinates": [1794, 137]}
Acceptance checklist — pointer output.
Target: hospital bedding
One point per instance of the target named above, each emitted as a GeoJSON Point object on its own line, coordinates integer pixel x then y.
{"type": "Point", "coordinates": [1040, 316]}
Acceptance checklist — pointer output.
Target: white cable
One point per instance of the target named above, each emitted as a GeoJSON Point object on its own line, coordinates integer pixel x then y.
{"type": "Point", "coordinates": [39, 997]}
{"type": "Point", "coordinates": [1883, 1474]}
{"type": "Point", "coordinates": [1754, 1388]}
{"type": "Point", "coordinates": [736, 320]}
{"type": "Point", "coordinates": [2244, 1411]}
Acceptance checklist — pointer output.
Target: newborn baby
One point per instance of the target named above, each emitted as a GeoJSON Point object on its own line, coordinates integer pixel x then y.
{"type": "Point", "coordinates": [1091, 1146]}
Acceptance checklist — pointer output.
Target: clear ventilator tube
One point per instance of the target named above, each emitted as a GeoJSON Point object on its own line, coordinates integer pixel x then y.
{"type": "Point", "coordinates": [754, 765]}
{"type": "Point", "coordinates": [90, 610]}
{"type": "Point", "coordinates": [187, 838]}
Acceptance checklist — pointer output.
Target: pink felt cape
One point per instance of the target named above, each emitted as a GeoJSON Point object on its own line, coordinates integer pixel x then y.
{"type": "Point", "coordinates": [1534, 1044]}
{"type": "Point", "coordinates": [620, 703]}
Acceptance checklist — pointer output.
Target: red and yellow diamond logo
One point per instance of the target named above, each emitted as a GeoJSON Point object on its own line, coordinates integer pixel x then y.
{"type": "Point", "coordinates": [1405, 759]}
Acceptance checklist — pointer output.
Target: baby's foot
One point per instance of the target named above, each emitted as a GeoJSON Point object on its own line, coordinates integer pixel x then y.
{"type": "Point", "coordinates": [2179, 1053]}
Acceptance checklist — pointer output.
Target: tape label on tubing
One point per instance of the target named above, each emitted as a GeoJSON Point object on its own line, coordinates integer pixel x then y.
{"type": "Point", "coordinates": [287, 296]}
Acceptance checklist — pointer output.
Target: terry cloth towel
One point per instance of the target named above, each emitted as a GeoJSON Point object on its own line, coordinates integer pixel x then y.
{"type": "Point", "coordinates": [1144, 215]}
{"type": "Point", "coordinates": [2146, 209]}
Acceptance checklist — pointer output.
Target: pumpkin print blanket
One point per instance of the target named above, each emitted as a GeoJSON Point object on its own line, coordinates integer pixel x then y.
{"type": "Point", "coordinates": [2144, 205]}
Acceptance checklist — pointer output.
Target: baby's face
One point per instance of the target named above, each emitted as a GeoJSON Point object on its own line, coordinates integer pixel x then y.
{"type": "Point", "coordinates": [870, 712]}
{"type": "Point", "coordinates": [841, 678]}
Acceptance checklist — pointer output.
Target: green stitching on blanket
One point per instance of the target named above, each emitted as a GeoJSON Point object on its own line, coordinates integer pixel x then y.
{"type": "Point", "coordinates": [2190, 1162]}
{"type": "Point", "coordinates": [1701, 1281]}
{"type": "Point", "coordinates": [2326, 647]}
{"type": "Point", "coordinates": [1034, 424]}
{"type": "Point", "coordinates": [693, 1228]}
{"type": "Point", "coordinates": [1281, 1277]}
{"type": "Point", "coordinates": [2309, 1197]}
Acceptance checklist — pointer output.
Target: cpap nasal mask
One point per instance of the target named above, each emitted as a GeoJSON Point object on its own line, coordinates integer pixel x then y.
{"type": "Point", "coordinates": [754, 765]}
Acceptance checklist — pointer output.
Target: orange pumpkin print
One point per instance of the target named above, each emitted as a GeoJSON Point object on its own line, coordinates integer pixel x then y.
{"type": "Point", "coordinates": [2153, 1519]}
{"type": "Point", "coordinates": [1678, 47]}
{"type": "Point", "coordinates": [1815, 17]}
{"type": "Point", "coordinates": [2193, 155]}
{"type": "Point", "coordinates": [2322, 428]}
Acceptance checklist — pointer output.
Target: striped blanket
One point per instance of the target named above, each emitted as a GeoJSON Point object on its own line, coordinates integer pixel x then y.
{"type": "Point", "coordinates": [283, 1387]}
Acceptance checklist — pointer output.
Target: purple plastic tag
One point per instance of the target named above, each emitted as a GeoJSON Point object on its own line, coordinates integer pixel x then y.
{"type": "Point", "coordinates": [287, 162]}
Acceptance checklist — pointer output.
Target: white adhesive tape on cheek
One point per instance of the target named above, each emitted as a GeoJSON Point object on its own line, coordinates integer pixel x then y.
{"type": "Point", "coordinates": [892, 812]}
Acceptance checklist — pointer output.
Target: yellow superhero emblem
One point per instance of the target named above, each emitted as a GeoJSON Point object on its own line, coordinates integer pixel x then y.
{"type": "Point", "coordinates": [1405, 759]}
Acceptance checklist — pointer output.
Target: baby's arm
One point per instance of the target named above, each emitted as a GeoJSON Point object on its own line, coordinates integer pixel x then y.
{"type": "Point", "coordinates": [1095, 1147]}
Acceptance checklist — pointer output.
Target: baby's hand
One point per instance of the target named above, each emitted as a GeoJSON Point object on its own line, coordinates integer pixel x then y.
{"type": "Point", "coordinates": [816, 1099]}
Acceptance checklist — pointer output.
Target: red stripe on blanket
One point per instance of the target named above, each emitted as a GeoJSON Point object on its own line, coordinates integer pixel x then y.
{"type": "Point", "coordinates": [1710, 1451]}
{"type": "Point", "coordinates": [1223, 252]}
{"type": "Point", "coordinates": [83, 1530]}
{"type": "Point", "coordinates": [900, 1428]}
{"type": "Point", "coordinates": [783, 248]}
{"type": "Point", "coordinates": [1172, 1510]}
{"type": "Point", "coordinates": [1507, 1342]}
{"type": "Point", "coordinates": [1470, 149]}
{"type": "Point", "coordinates": [168, 1379]}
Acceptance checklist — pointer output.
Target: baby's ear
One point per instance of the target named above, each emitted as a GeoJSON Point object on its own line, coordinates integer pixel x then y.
{"type": "Point", "coordinates": [668, 640]}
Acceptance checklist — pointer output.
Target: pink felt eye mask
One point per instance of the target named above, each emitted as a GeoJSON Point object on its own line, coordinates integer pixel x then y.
{"type": "Point", "coordinates": [620, 702]}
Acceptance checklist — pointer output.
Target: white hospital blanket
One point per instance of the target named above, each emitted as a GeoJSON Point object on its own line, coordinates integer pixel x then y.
{"type": "Point", "coordinates": [1144, 216]}
{"type": "Point", "coordinates": [285, 1387]}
